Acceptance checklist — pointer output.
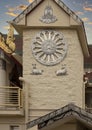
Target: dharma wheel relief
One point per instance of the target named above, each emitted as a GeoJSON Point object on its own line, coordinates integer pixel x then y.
{"type": "Point", "coordinates": [49, 47]}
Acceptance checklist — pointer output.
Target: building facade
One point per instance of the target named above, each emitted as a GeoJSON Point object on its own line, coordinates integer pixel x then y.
{"type": "Point", "coordinates": [43, 81]}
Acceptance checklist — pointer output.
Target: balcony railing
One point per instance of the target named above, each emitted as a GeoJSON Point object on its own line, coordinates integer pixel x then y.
{"type": "Point", "coordinates": [11, 97]}
{"type": "Point", "coordinates": [89, 109]}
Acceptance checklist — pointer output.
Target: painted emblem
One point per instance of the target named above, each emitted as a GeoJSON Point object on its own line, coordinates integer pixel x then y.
{"type": "Point", "coordinates": [48, 16]}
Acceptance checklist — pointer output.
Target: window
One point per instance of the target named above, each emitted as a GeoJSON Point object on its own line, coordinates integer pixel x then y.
{"type": "Point", "coordinates": [88, 99]}
{"type": "Point", "coordinates": [14, 127]}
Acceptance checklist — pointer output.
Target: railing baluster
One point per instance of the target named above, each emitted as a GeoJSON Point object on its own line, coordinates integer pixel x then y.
{"type": "Point", "coordinates": [12, 97]}
{"type": "Point", "coordinates": [19, 97]}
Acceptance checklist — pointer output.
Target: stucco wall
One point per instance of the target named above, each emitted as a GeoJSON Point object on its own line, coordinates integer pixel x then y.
{"type": "Point", "coordinates": [67, 127]}
{"type": "Point", "coordinates": [48, 91]}
{"type": "Point", "coordinates": [63, 18]}
{"type": "Point", "coordinates": [7, 122]}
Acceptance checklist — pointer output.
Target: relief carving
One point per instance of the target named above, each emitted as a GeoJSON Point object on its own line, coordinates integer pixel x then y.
{"type": "Point", "coordinates": [48, 16]}
{"type": "Point", "coordinates": [62, 71]}
{"type": "Point", "coordinates": [36, 71]}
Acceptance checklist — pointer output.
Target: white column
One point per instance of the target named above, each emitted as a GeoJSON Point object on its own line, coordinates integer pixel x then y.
{"type": "Point", "coordinates": [2, 73]}
{"type": "Point", "coordinates": [2, 79]}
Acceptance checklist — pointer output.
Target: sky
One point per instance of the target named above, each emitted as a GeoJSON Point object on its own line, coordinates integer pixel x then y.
{"type": "Point", "coordinates": [9, 9]}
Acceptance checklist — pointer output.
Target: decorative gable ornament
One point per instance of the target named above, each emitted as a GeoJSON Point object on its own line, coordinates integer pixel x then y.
{"type": "Point", "coordinates": [48, 16]}
{"type": "Point", "coordinates": [8, 44]}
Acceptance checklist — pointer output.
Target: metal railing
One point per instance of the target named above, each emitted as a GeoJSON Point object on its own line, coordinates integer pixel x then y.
{"type": "Point", "coordinates": [89, 109]}
{"type": "Point", "coordinates": [11, 97]}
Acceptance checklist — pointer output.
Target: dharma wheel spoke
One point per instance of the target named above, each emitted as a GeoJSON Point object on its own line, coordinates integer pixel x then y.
{"type": "Point", "coordinates": [49, 47]}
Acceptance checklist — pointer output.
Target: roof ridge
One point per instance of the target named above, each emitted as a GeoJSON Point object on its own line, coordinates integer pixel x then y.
{"type": "Point", "coordinates": [68, 10]}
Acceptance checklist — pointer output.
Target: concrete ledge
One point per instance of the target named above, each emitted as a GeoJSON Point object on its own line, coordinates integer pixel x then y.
{"type": "Point", "coordinates": [12, 112]}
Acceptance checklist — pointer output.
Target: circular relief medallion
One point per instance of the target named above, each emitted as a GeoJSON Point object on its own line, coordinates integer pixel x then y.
{"type": "Point", "coordinates": [49, 47]}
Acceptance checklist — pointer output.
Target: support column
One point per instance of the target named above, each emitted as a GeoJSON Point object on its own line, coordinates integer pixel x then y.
{"type": "Point", "coordinates": [2, 72]}
{"type": "Point", "coordinates": [2, 79]}
{"type": "Point", "coordinates": [2, 69]}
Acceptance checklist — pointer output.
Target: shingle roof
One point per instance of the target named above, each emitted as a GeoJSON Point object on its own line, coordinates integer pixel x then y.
{"type": "Point", "coordinates": [60, 114]}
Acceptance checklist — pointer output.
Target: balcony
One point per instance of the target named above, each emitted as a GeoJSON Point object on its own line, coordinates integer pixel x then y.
{"type": "Point", "coordinates": [89, 109]}
{"type": "Point", "coordinates": [11, 101]}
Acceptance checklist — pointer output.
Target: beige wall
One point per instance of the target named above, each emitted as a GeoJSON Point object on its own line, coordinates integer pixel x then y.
{"type": "Point", "coordinates": [67, 127]}
{"type": "Point", "coordinates": [63, 19]}
{"type": "Point", "coordinates": [48, 91]}
{"type": "Point", "coordinates": [8, 126]}
{"type": "Point", "coordinates": [7, 122]}
{"type": "Point", "coordinates": [33, 20]}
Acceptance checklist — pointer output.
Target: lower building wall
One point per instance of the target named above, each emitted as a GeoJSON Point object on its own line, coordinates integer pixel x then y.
{"type": "Point", "coordinates": [7, 123]}
{"type": "Point", "coordinates": [9, 127]}
{"type": "Point", "coordinates": [67, 127]}
{"type": "Point", "coordinates": [74, 126]}
{"type": "Point", "coordinates": [80, 127]}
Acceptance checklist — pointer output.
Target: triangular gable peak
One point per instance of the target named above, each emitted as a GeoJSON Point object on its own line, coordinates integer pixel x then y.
{"type": "Point", "coordinates": [30, 18]}
{"type": "Point", "coordinates": [61, 116]}
{"type": "Point", "coordinates": [37, 2]}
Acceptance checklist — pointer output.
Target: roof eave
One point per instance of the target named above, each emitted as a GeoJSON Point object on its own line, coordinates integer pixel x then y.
{"type": "Point", "coordinates": [26, 11]}
{"type": "Point", "coordinates": [60, 114]}
{"type": "Point", "coordinates": [83, 40]}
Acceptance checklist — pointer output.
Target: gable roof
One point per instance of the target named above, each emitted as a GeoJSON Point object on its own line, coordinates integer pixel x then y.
{"type": "Point", "coordinates": [69, 110]}
{"type": "Point", "coordinates": [37, 2]}
{"type": "Point", "coordinates": [19, 26]}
